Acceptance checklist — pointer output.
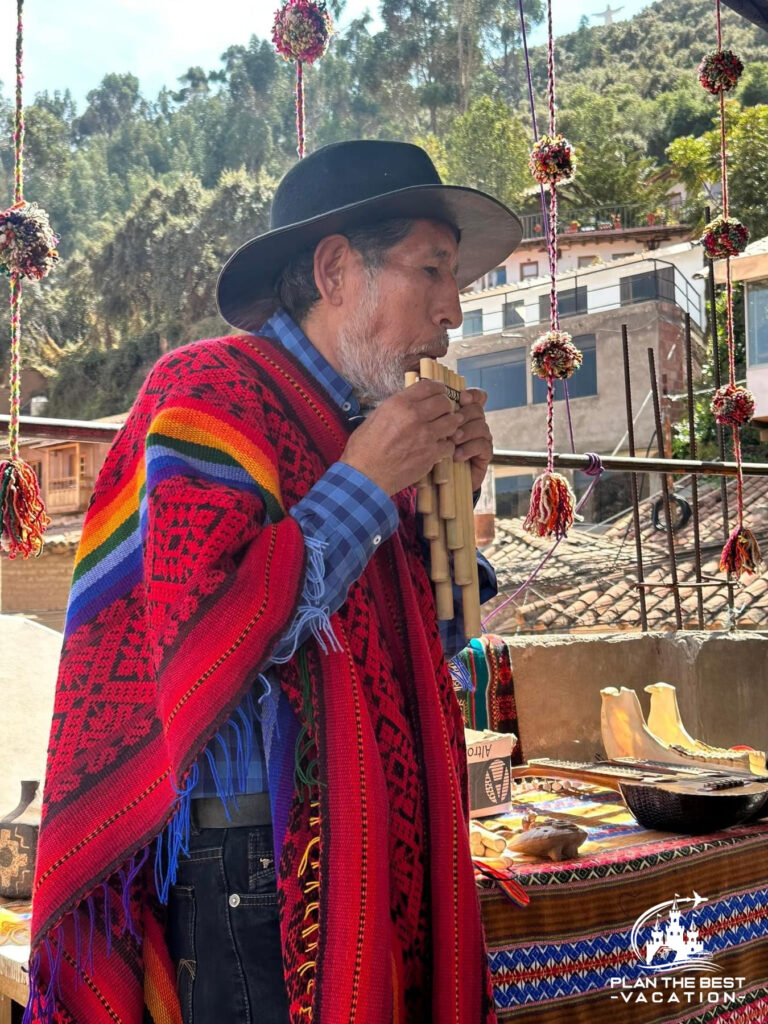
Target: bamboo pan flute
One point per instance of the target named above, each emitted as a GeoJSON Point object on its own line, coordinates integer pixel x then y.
{"type": "Point", "coordinates": [444, 499]}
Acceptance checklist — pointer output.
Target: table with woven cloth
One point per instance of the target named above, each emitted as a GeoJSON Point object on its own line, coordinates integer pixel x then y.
{"type": "Point", "coordinates": [552, 960]}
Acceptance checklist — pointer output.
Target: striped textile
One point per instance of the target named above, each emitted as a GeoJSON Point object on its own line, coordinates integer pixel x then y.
{"type": "Point", "coordinates": [553, 960]}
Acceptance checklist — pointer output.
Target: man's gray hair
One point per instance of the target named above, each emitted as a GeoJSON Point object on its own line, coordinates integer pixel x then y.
{"type": "Point", "coordinates": [296, 289]}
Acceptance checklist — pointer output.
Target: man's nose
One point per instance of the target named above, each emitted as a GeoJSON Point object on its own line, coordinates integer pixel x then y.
{"type": "Point", "coordinates": [449, 314]}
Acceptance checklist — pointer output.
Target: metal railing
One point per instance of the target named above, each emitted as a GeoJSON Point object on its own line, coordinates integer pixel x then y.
{"type": "Point", "coordinates": [581, 293]}
{"type": "Point", "coordinates": [618, 217]}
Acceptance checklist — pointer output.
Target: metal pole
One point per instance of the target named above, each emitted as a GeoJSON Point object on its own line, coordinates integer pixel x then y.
{"type": "Point", "coordinates": [665, 490]}
{"type": "Point", "coordinates": [623, 464]}
{"type": "Point", "coordinates": [718, 427]}
{"type": "Point", "coordinates": [633, 480]}
{"type": "Point", "coordinates": [694, 480]}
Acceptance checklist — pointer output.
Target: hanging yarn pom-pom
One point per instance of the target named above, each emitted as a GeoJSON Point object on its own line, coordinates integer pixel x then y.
{"type": "Point", "coordinates": [552, 160]}
{"type": "Point", "coordinates": [719, 71]}
{"type": "Point", "coordinates": [741, 553]}
{"type": "Point", "coordinates": [724, 236]}
{"type": "Point", "coordinates": [552, 507]}
{"type": "Point", "coordinates": [733, 405]}
{"type": "Point", "coordinates": [554, 355]}
{"type": "Point", "coordinates": [301, 30]}
{"type": "Point", "coordinates": [27, 242]}
{"type": "Point", "coordinates": [24, 519]}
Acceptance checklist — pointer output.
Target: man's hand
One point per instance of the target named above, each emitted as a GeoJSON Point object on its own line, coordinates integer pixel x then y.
{"type": "Point", "coordinates": [473, 440]}
{"type": "Point", "coordinates": [405, 436]}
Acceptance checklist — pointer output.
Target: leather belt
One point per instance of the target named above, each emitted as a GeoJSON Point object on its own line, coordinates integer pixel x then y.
{"type": "Point", "coordinates": [252, 809]}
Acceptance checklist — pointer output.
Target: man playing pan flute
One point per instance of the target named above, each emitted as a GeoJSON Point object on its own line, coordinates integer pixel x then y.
{"type": "Point", "coordinates": [252, 673]}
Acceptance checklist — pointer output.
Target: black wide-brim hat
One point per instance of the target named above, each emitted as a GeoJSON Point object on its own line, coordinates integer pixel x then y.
{"type": "Point", "coordinates": [347, 185]}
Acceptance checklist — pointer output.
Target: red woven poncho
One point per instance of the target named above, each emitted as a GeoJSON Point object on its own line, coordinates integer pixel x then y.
{"type": "Point", "coordinates": [189, 570]}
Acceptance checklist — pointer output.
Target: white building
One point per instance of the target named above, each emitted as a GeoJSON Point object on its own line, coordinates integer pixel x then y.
{"type": "Point", "coordinates": [651, 292]}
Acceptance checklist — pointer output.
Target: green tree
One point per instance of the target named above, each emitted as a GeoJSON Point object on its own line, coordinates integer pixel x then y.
{"type": "Point", "coordinates": [696, 161]}
{"type": "Point", "coordinates": [752, 449]}
{"type": "Point", "coordinates": [487, 148]}
{"type": "Point", "coordinates": [612, 165]}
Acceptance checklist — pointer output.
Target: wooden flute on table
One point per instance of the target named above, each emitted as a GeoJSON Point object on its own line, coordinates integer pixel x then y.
{"type": "Point", "coordinates": [444, 499]}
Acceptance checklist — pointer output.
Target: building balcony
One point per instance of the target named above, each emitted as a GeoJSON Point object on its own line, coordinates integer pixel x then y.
{"type": "Point", "coordinates": [608, 220]}
{"type": "Point", "coordinates": [580, 293]}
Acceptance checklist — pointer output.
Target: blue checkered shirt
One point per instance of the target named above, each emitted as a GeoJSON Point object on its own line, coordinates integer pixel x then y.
{"type": "Point", "coordinates": [351, 516]}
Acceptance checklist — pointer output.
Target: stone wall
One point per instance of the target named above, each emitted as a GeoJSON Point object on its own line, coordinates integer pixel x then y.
{"type": "Point", "coordinates": [721, 681]}
{"type": "Point", "coordinates": [39, 587]}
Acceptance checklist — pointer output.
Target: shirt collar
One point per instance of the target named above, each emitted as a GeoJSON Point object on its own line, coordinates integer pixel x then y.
{"type": "Point", "coordinates": [284, 329]}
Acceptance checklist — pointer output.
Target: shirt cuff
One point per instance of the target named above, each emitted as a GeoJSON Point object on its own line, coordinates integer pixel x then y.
{"type": "Point", "coordinates": [348, 512]}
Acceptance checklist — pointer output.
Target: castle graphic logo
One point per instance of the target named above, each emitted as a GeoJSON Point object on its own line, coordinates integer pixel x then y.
{"type": "Point", "coordinates": [666, 937]}
{"type": "Point", "coordinates": [673, 965]}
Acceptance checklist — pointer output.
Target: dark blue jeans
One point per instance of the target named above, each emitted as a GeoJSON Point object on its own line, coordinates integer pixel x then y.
{"type": "Point", "coordinates": [224, 932]}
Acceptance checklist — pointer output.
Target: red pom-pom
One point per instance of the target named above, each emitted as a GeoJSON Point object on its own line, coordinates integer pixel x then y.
{"type": "Point", "coordinates": [27, 242]}
{"type": "Point", "coordinates": [733, 405]}
{"type": "Point", "coordinates": [552, 508]}
{"type": "Point", "coordinates": [741, 553]}
{"type": "Point", "coordinates": [552, 160]}
{"type": "Point", "coordinates": [724, 236]}
{"type": "Point", "coordinates": [301, 30]}
{"type": "Point", "coordinates": [719, 71]}
{"type": "Point", "coordinates": [23, 519]}
{"type": "Point", "coordinates": [554, 355]}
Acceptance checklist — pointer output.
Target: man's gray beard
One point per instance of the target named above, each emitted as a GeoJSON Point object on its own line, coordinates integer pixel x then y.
{"type": "Point", "coordinates": [374, 371]}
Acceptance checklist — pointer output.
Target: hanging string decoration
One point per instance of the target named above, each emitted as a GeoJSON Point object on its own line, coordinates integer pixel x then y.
{"type": "Point", "coordinates": [720, 71]}
{"type": "Point", "coordinates": [733, 405]}
{"type": "Point", "coordinates": [27, 250]}
{"type": "Point", "coordinates": [27, 242]}
{"type": "Point", "coordinates": [301, 31]}
{"type": "Point", "coordinates": [553, 355]}
{"type": "Point", "coordinates": [725, 237]}
{"type": "Point", "coordinates": [552, 160]}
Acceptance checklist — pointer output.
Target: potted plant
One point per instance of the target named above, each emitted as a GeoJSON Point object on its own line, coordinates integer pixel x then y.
{"type": "Point", "coordinates": [573, 226]}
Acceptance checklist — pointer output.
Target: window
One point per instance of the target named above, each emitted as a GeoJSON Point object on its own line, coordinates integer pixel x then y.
{"type": "Point", "coordinates": [584, 381]}
{"type": "Point", "coordinates": [497, 277]}
{"type": "Point", "coordinates": [653, 285]}
{"type": "Point", "coordinates": [757, 323]}
{"type": "Point", "coordinates": [513, 495]}
{"type": "Point", "coordinates": [569, 302]}
{"type": "Point", "coordinates": [513, 314]}
{"type": "Point", "coordinates": [621, 255]}
{"type": "Point", "coordinates": [585, 261]}
{"type": "Point", "coordinates": [473, 322]}
{"type": "Point", "coordinates": [529, 270]}
{"type": "Point", "coordinates": [501, 374]}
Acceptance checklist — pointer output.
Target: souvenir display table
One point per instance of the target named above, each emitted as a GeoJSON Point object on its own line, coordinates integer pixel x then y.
{"type": "Point", "coordinates": [552, 961]}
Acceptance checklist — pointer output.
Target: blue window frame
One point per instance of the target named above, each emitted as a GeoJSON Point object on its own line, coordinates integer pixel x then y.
{"type": "Point", "coordinates": [514, 313]}
{"type": "Point", "coordinates": [570, 301]}
{"type": "Point", "coordinates": [654, 285]}
{"type": "Point", "coordinates": [473, 323]}
{"type": "Point", "coordinates": [584, 381]}
{"type": "Point", "coordinates": [757, 322]}
{"type": "Point", "coordinates": [501, 374]}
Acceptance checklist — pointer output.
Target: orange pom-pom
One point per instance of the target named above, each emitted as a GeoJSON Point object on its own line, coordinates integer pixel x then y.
{"type": "Point", "coordinates": [22, 513]}
{"type": "Point", "coordinates": [552, 508]}
{"type": "Point", "coordinates": [741, 553]}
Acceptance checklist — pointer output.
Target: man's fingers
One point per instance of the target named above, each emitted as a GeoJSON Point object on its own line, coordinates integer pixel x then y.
{"type": "Point", "coordinates": [473, 395]}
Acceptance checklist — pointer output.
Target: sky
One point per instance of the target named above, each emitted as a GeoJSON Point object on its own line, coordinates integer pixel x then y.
{"type": "Point", "coordinates": [74, 44]}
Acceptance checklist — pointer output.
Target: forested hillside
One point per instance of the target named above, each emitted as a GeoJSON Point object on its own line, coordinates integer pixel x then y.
{"type": "Point", "coordinates": [149, 194]}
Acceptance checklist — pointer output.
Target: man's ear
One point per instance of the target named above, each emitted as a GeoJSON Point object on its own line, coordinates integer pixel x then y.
{"type": "Point", "coordinates": [332, 263]}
